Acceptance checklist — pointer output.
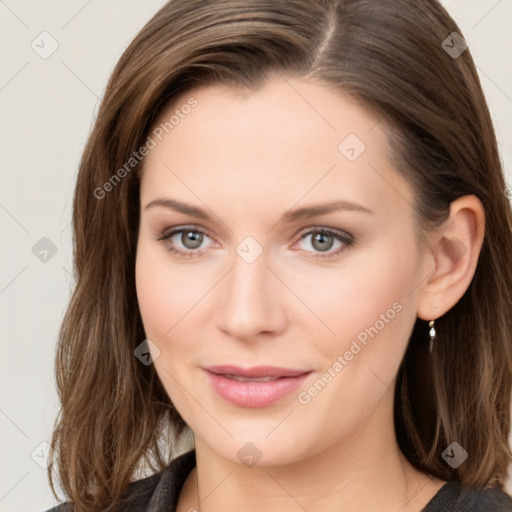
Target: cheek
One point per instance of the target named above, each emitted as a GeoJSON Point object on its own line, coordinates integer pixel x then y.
{"type": "Point", "coordinates": [371, 311]}
{"type": "Point", "coordinates": [149, 288]}
{"type": "Point", "coordinates": [348, 302]}
{"type": "Point", "coordinates": [160, 293]}
{"type": "Point", "coordinates": [373, 319]}
{"type": "Point", "coordinates": [165, 292]}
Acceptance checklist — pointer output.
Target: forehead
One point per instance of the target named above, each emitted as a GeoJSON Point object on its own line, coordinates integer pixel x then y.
{"type": "Point", "coordinates": [293, 106]}
{"type": "Point", "coordinates": [289, 138]}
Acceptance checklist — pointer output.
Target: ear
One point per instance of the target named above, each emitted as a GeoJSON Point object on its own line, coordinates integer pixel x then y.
{"type": "Point", "coordinates": [451, 257]}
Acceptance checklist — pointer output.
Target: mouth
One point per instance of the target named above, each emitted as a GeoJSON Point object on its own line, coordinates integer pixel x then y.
{"type": "Point", "coordinates": [256, 372]}
{"type": "Point", "coordinates": [250, 379]}
{"type": "Point", "coordinates": [258, 386]}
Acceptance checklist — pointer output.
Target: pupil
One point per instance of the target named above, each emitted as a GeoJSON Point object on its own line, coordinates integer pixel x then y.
{"type": "Point", "coordinates": [195, 238]}
{"type": "Point", "coordinates": [320, 237]}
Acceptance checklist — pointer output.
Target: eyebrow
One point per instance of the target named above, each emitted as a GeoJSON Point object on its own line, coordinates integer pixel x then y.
{"type": "Point", "coordinates": [288, 217]}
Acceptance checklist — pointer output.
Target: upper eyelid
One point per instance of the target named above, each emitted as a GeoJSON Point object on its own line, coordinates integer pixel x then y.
{"type": "Point", "coordinates": [195, 227]}
{"type": "Point", "coordinates": [168, 232]}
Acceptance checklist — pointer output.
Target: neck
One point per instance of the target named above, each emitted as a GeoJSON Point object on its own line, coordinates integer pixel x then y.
{"type": "Point", "coordinates": [363, 471]}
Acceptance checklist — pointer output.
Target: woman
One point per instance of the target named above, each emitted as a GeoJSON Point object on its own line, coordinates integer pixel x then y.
{"type": "Point", "coordinates": [291, 241]}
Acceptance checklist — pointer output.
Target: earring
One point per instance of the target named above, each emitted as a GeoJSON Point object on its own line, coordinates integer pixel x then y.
{"type": "Point", "coordinates": [432, 333]}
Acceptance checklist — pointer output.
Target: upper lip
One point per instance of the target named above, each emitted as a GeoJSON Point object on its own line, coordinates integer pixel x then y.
{"type": "Point", "coordinates": [255, 371]}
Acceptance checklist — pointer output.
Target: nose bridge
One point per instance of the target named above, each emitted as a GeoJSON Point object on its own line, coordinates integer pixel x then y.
{"type": "Point", "coordinates": [249, 303]}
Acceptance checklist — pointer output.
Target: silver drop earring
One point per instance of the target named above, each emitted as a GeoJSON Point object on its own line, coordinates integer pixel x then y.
{"type": "Point", "coordinates": [432, 334]}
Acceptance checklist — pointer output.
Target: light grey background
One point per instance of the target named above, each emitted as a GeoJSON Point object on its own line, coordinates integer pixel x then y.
{"type": "Point", "coordinates": [47, 109]}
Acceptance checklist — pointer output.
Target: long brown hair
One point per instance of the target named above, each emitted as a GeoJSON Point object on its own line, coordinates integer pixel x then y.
{"type": "Point", "coordinates": [390, 56]}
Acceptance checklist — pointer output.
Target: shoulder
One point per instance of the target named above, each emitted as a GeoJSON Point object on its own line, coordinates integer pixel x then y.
{"type": "Point", "coordinates": [458, 498]}
{"type": "Point", "coordinates": [160, 490]}
{"type": "Point", "coordinates": [138, 494]}
{"type": "Point", "coordinates": [486, 499]}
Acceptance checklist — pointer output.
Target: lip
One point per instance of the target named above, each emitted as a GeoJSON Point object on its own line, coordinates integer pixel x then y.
{"type": "Point", "coordinates": [252, 394]}
{"type": "Point", "coordinates": [255, 371]}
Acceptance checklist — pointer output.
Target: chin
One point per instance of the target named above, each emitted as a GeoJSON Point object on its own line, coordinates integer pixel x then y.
{"type": "Point", "coordinates": [259, 450]}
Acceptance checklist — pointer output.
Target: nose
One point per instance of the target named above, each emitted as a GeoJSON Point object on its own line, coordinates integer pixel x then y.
{"type": "Point", "coordinates": [251, 300]}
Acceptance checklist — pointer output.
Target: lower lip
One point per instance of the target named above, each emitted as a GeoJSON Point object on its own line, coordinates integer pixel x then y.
{"type": "Point", "coordinates": [255, 394]}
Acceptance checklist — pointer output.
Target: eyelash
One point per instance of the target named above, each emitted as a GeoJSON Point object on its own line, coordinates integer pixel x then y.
{"type": "Point", "coordinates": [347, 240]}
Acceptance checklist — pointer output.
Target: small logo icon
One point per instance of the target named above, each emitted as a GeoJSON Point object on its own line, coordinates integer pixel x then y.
{"type": "Point", "coordinates": [454, 45]}
{"type": "Point", "coordinates": [351, 147]}
{"type": "Point", "coordinates": [249, 455]}
{"type": "Point", "coordinates": [249, 249]}
{"type": "Point", "coordinates": [147, 352]}
{"type": "Point", "coordinates": [454, 455]}
{"type": "Point", "coordinates": [44, 250]}
{"type": "Point", "coordinates": [40, 454]}
{"type": "Point", "coordinates": [44, 45]}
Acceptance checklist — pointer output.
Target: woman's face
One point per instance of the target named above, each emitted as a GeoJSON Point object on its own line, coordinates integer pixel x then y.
{"type": "Point", "coordinates": [260, 279]}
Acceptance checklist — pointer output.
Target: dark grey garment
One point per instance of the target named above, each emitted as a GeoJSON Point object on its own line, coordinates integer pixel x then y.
{"type": "Point", "coordinates": [452, 497]}
{"type": "Point", "coordinates": [156, 493]}
{"type": "Point", "coordinates": [160, 493]}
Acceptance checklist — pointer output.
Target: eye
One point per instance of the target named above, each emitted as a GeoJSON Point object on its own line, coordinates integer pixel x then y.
{"type": "Point", "coordinates": [190, 237]}
{"type": "Point", "coordinates": [324, 239]}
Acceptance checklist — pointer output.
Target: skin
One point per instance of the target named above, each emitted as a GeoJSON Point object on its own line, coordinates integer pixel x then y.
{"type": "Point", "coordinates": [247, 158]}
